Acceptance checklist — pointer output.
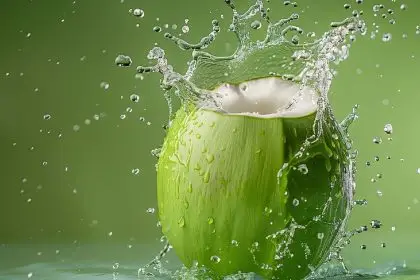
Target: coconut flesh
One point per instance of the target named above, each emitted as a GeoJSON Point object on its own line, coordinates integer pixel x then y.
{"type": "Point", "coordinates": [267, 98]}
{"type": "Point", "coordinates": [220, 198]}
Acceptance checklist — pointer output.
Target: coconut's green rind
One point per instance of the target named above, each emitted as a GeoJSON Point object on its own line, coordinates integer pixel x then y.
{"type": "Point", "coordinates": [324, 197]}
{"type": "Point", "coordinates": [225, 168]}
{"type": "Point", "coordinates": [217, 182]}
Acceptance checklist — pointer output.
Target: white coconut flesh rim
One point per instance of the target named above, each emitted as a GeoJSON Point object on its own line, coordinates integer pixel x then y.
{"type": "Point", "coordinates": [267, 98]}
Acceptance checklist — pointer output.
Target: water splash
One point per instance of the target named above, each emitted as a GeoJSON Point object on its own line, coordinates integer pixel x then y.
{"type": "Point", "coordinates": [309, 64]}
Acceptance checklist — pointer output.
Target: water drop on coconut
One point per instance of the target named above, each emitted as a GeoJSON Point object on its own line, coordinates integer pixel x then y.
{"type": "Point", "coordinates": [181, 222]}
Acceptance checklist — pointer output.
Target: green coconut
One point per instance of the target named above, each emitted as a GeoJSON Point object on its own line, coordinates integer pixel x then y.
{"type": "Point", "coordinates": [256, 186]}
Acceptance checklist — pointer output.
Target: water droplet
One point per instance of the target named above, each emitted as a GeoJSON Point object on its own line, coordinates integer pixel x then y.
{"type": "Point", "coordinates": [302, 168]}
{"type": "Point", "coordinates": [206, 177]}
{"type": "Point", "coordinates": [157, 29]}
{"type": "Point", "coordinates": [347, 6]}
{"type": "Point", "coordinates": [47, 117]}
{"type": "Point", "coordinates": [110, 233]}
{"type": "Point", "coordinates": [295, 202]}
{"type": "Point", "coordinates": [383, 245]}
{"type": "Point", "coordinates": [377, 140]}
{"type": "Point", "coordinates": [418, 170]}
{"type": "Point", "coordinates": [403, 7]}
{"type": "Point", "coordinates": [363, 247]}
{"type": "Point", "coordinates": [235, 243]}
{"type": "Point", "coordinates": [181, 222]}
{"type": "Point", "coordinates": [115, 266]}
{"type": "Point", "coordinates": [123, 60]}
{"type": "Point", "coordinates": [210, 158]}
{"type": "Point", "coordinates": [30, 274]}
{"type": "Point", "coordinates": [256, 24]}
{"type": "Point", "coordinates": [363, 228]}
{"type": "Point", "coordinates": [215, 259]}
{"type": "Point", "coordinates": [311, 34]}
{"type": "Point", "coordinates": [138, 13]}
{"type": "Point", "coordinates": [104, 85]}
{"type": "Point", "coordinates": [295, 39]}
{"type": "Point", "coordinates": [361, 202]}
{"type": "Point", "coordinates": [268, 211]}
{"type": "Point", "coordinates": [393, 228]}
{"type": "Point", "coordinates": [375, 224]}
{"type": "Point", "coordinates": [255, 246]}
{"type": "Point", "coordinates": [150, 210]}
{"type": "Point", "coordinates": [376, 8]}
{"type": "Point", "coordinates": [76, 127]}
{"type": "Point", "coordinates": [392, 21]}
{"type": "Point", "coordinates": [185, 29]}
{"type": "Point", "coordinates": [388, 128]}
{"type": "Point", "coordinates": [134, 98]}
{"type": "Point", "coordinates": [210, 221]}
{"type": "Point", "coordinates": [386, 37]}
{"type": "Point", "coordinates": [320, 235]}
{"type": "Point", "coordinates": [379, 193]}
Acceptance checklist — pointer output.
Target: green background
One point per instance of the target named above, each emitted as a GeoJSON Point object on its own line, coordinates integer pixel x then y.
{"type": "Point", "coordinates": [55, 55]}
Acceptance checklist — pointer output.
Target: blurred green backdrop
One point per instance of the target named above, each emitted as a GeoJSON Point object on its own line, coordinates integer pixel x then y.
{"type": "Point", "coordinates": [73, 176]}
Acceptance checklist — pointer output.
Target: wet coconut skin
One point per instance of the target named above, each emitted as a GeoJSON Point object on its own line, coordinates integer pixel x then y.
{"type": "Point", "coordinates": [218, 190]}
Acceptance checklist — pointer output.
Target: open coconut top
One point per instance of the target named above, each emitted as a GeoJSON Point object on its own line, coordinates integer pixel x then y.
{"type": "Point", "coordinates": [267, 98]}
